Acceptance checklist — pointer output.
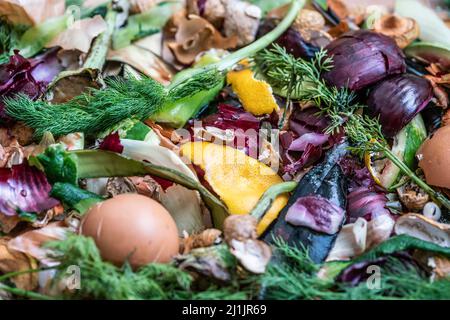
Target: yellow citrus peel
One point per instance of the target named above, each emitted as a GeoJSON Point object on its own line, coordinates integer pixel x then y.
{"type": "Point", "coordinates": [236, 178]}
{"type": "Point", "coordinates": [255, 95]}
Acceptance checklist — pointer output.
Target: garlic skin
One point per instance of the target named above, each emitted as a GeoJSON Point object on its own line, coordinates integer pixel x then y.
{"type": "Point", "coordinates": [432, 211]}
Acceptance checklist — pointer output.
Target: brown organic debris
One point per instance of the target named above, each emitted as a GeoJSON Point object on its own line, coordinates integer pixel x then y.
{"type": "Point", "coordinates": [13, 261]}
{"type": "Point", "coordinates": [412, 197]}
{"type": "Point", "coordinates": [79, 35]}
{"type": "Point", "coordinates": [30, 12]}
{"type": "Point", "coordinates": [213, 11]}
{"type": "Point", "coordinates": [240, 227]}
{"type": "Point", "coordinates": [203, 239]}
{"type": "Point", "coordinates": [186, 37]}
{"type": "Point", "coordinates": [253, 255]}
{"type": "Point", "coordinates": [403, 30]}
{"type": "Point", "coordinates": [118, 185]}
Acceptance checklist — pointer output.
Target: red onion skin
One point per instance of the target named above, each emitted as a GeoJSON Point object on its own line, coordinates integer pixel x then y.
{"type": "Point", "coordinates": [362, 58]}
{"type": "Point", "coordinates": [397, 100]}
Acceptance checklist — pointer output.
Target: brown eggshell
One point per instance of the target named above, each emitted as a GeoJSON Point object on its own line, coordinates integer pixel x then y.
{"type": "Point", "coordinates": [434, 158]}
{"type": "Point", "coordinates": [133, 228]}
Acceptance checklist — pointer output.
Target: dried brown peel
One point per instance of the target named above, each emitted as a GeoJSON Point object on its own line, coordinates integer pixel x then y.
{"type": "Point", "coordinates": [403, 30]}
{"type": "Point", "coordinates": [194, 35]}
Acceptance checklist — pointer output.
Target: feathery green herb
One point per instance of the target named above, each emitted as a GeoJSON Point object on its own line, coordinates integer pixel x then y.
{"type": "Point", "coordinates": [102, 280]}
{"type": "Point", "coordinates": [90, 113]}
{"type": "Point", "coordinates": [295, 277]}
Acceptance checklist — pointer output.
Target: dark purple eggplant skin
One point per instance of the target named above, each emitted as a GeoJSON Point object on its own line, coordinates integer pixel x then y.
{"type": "Point", "coordinates": [397, 100]}
{"type": "Point", "coordinates": [362, 58]}
{"type": "Point", "coordinates": [326, 180]}
{"type": "Point", "coordinates": [291, 40]}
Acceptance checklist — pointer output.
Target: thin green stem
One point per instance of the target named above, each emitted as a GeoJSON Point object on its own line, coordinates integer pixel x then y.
{"type": "Point", "coordinates": [18, 273]}
{"type": "Point", "coordinates": [266, 200]}
{"type": "Point", "coordinates": [97, 56]}
{"type": "Point", "coordinates": [406, 170]}
{"type": "Point", "coordinates": [25, 293]}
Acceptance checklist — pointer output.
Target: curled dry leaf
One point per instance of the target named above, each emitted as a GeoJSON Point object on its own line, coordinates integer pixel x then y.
{"type": "Point", "coordinates": [13, 261]}
{"type": "Point", "coordinates": [32, 242]}
{"type": "Point", "coordinates": [144, 61]}
{"type": "Point", "coordinates": [79, 35]}
{"type": "Point", "coordinates": [203, 239]}
{"type": "Point", "coordinates": [30, 12]}
{"type": "Point", "coordinates": [402, 30]}
{"type": "Point", "coordinates": [186, 37]}
{"type": "Point", "coordinates": [212, 10]}
{"type": "Point", "coordinates": [253, 255]}
{"type": "Point", "coordinates": [421, 227]}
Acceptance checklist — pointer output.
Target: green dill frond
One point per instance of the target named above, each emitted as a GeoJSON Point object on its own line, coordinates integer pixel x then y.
{"type": "Point", "coordinates": [363, 131]}
{"type": "Point", "coordinates": [294, 276]}
{"type": "Point", "coordinates": [201, 81]}
{"type": "Point", "coordinates": [44, 117]}
{"type": "Point", "coordinates": [93, 112]}
{"type": "Point", "coordinates": [102, 280]}
{"type": "Point", "coordinates": [302, 79]}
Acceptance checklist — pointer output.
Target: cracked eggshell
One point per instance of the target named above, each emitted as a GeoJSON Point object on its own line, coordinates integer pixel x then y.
{"type": "Point", "coordinates": [421, 227]}
{"type": "Point", "coordinates": [434, 158]}
{"type": "Point", "coordinates": [133, 228]}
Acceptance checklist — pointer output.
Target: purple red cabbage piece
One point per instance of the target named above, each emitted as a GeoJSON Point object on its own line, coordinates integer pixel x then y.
{"type": "Point", "coordinates": [243, 124]}
{"type": "Point", "coordinates": [365, 198]}
{"type": "Point", "coordinates": [24, 188]}
{"type": "Point", "coordinates": [27, 76]}
{"type": "Point", "coordinates": [112, 143]}
{"type": "Point", "coordinates": [362, 58]}
{"type": "Point", "coordinates": [398, 262]}
{"type": "Point", "coordinates": [303, 144]}
{"type": "Point", "coordinates": [397, 100]}
{"type": "Point", "coordinates": [316, 213]}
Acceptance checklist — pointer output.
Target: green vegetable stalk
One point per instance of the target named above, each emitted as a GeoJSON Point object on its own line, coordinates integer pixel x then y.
{"type": "Point", "coordinates": [144, 24]}
{"type": "Point", "coordinates": [176, 112]}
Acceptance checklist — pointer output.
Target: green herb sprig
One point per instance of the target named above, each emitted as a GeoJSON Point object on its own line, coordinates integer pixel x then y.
{"type": "Point", "coordinates": [90, 113]}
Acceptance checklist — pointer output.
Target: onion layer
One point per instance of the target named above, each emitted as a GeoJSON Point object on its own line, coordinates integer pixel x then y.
{"type": "Point", "coordinates": [362, 58]}
{"type": "Point", "coordinates": [397, 100]}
